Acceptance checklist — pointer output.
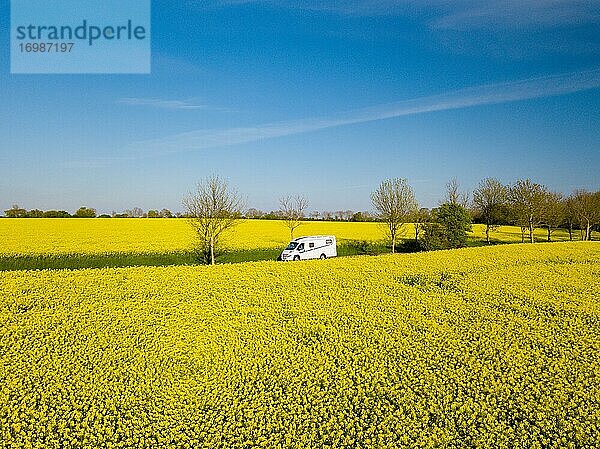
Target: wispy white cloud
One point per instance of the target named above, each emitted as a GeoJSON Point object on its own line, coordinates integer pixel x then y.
{"type": "Point", "coordinates": [161, 103]}
{"type": "Point", "coordinates": [475, 96]}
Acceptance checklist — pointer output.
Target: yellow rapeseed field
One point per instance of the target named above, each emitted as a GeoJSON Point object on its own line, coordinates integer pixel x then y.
{"type": "Point", "coordinates": [493, 347]}
{"type": "Point", "coordinates": [98, 235]}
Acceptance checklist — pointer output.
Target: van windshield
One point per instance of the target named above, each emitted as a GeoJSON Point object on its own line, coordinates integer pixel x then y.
{"type": "Point", "coordinates": [292, 245]}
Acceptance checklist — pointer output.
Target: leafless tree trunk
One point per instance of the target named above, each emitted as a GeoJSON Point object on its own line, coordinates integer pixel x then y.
{"type": "Point", "coordinates": [489, 199]}
{"type": "Point", "coordinates": [587, 207]}
{"type": "Point", "coordinates": [570, 231]}
{"type": "Point", "coordinates": [212, 209]}
{"type": "Point", "coordinates": [554, 212]}
{"type": "Point", "coordinates": [292, 210]}
{"type": "Point", "coordinates": [395, 202]}
{"type": "Point", "coordinates": [531, 231]}
{"type": "Point", "coordinates": [420, 217]}
{"type": "Point", "coordinates": [454, 195]}
{"type": "Point", "coordinates": [527, 201]}
{"type": "Point", "coordinates": [588, 231]}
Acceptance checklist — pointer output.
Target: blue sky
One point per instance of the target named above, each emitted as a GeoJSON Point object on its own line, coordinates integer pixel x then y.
{"type": "Point", "coordinates": [324, 99]}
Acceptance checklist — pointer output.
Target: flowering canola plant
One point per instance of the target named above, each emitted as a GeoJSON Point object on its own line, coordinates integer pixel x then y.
{"type": "Point", "coordinates": [478, 347]}
{"type": "Point", "coordinates": [54, 236]}
{"type": "Point", "coordinates": [134, 235]}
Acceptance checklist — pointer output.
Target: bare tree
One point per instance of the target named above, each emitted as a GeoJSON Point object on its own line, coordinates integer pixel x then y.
{"type": "Point", "coordinates": [254, 213]}
{"type": "Point", "coordinates": [587, 206]}
{"type": "Point", "coordinates": [490, 199]}
{"type": "Point", "coordinates": [554, 211]}
{"type": "Point", "coordinates": [454, 195]}
{"type": "Point", "coordinates": [343, 215]}
{"type": "Point", "coordinates": [527, 205]}
{"type": "Point", "coordinates": [570, 214]}
{"type": "Point", "coordinates": [137, 212]}
{"type": "Point", "coordinates": [212, 209]}
{"type": "Point", "coordinates": [395, 203]}
{"type": "Point", "coordinates": [292, 209]}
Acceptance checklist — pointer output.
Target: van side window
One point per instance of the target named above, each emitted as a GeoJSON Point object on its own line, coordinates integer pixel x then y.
{"type": "Point", "coordinates": [328, 242]}
{"type": "Point", "coordinates": [301, 247]}
{"type": "Point", "coordinates": [311, 245]}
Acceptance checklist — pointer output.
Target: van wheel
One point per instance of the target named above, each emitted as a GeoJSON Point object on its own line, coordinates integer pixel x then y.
{"type": "Point", "coordinates": [323, 256]}
{"type": "Point", "coordinates": [296, 257]}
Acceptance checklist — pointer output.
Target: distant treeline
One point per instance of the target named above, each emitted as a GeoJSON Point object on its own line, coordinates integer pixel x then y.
{"type": "Point", "coordinates": [87, 212]}
{"type": "Point", "coordinates": [340, 215]}
{"type": "Point", "coordinates": [523, 203]}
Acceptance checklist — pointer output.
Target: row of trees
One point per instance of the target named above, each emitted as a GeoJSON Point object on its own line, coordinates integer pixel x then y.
{"type": "Point", "coordinates": [85, 212]}
{"type": "Point", "coordinates": [524, 203]}
{"type": "Point", "coordinates": [443, 227]}
{"type": "Point", "coordinates": [338, 215]}
{"type": "Point", "coordinates": [214, 207]}
{"type": "Point", "coordinates": [18, 212]}
{"type": "Point", "coordinates": [341, 215]}
{"type": "Point", "coordinates": [531, 205]}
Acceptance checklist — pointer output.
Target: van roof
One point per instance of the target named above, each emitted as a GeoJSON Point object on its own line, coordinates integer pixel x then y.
{"type": "Point", "coordinates": [314, 237]}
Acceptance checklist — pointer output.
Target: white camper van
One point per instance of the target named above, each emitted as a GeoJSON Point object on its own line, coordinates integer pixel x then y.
{"type": "Point", "coordinates": [311, 247]}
